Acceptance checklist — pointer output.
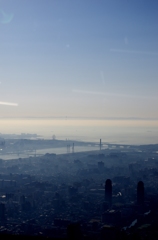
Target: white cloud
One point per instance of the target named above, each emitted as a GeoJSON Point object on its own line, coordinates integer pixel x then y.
{"type": "Point", "coordinates": [9, 104]}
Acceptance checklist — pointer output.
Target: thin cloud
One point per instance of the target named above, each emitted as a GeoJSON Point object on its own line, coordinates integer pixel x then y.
{"type": "Point", "coordinates": [9, 104]}
{"type": "Point", "coordinates": [133, 52]}
{"type": "Point", "coordinates": [112, 94]}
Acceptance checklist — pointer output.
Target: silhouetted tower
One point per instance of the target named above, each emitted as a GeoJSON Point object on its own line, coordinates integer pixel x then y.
{"type": "Point", "coordinates": [140, 193]}
{"type": "Point", "coordinates": [100, 144]}
{"type": "Point", "coordinates": [108, 191]}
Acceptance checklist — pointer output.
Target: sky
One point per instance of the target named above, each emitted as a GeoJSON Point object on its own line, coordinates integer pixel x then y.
{"type": "Point", "coordinates": [82, 58]}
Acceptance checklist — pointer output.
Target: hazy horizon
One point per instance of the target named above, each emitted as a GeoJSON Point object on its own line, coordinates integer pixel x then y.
{"type": "Point", "coordinates": [113, 131]}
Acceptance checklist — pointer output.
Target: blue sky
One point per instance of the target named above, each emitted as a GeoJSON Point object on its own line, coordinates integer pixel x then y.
{"type": "Point", "coordinates": [82, 58]}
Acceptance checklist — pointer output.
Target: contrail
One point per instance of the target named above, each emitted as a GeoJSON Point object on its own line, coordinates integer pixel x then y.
{"type": "Point", "coordinates": [9, 104]}
{"type": "Point", "coordinates": [113, 94]}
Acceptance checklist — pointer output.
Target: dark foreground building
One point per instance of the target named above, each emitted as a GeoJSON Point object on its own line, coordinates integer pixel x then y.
{"type": "Point", "coordinates": [140, 193]}
{"type": "Point", "coordinates": [108, 192]}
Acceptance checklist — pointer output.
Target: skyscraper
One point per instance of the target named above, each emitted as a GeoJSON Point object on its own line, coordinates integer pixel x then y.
{"type": "Point", "coordinates": [140, 193]}
{"type": "Point", "coordinates": [108, 191]}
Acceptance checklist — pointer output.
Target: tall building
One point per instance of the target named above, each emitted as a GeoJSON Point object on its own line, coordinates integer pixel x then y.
{"type": "Point", "coordinates": [108, 191]}
{"type": "Point", "coordinates": [140, 193]}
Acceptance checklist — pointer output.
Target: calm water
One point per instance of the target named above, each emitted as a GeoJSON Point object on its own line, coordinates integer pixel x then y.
{"type": "Point", "coordinates": [110, 131]}
{"type": "Point", "coordinates": [61, 150]}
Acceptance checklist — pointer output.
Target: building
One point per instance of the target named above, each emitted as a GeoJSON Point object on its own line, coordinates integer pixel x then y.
{"type": "Point", "coordinates": [108, 192]}
{"type": "Point", "coordinates": [140, 193]}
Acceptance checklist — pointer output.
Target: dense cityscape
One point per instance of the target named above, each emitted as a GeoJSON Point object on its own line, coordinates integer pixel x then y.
{"type": "Point", "coordinates": [79, 119]}
{"type": "Point", "coordinates": [110, 193]}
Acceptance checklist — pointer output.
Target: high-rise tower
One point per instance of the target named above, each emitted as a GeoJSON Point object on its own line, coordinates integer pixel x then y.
{"type": "Point", "coordinates": [140, 193]}
{"type": "Point", "coordinates": [108, 191]}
